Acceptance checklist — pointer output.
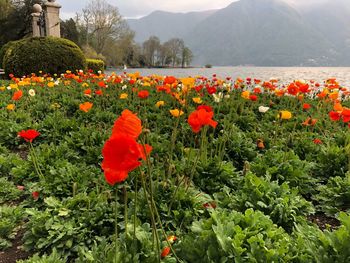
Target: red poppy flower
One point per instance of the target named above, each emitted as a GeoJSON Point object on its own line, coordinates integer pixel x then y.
{"type": "Point", "coordinates": [169, 80]}
{"type": "Point", "coordinates": [143, 94]}
{"type": "Point", "coordinates": [129, 124]}
{"type": "Point", "coordinates": [132, 81]}
{"type": "Point", "coordinates": [99, 92]}
{"type": "Point", "coordinates": [335, 116]}
{"type": "Point", "coordinates": [200, 118]}
{"type": "Point", "coordinates": [35, 195]}
{"type": "Point", "coordinates": [164, 88]}
{"type": "Point", "coordinates": [165, 252]}
{"type": "Point", "coordinates": [346, 115]}
{"type": "Point", "coordinates": [293, 89]}
{"type": "Point", "coordinates": [211, 90]}
{"type": "Point", "coordinates": [306, 106]}
{"type": "Point", "coordinates": [17, 95]}
{"type": "Point", "coordinates": [317, 141]}
{"type": "Point", "coordinates": [102, 84]}
{"type": "Point", "coordinates": [28, 135]}
{"type": "Point", "coordinates": [122, 154]}
{"type": "Point", "coordinates": [257, 90]}
{"type": "Point", "coordinates": [253, 97]}
{"type": "Point", "coordinates": [87, 92]}
{"type": "Point", "coordinates": [205, 107]}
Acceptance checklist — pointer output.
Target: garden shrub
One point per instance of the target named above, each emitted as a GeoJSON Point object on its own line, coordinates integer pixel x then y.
{"type": "Point", "coordinates": [313, 245]}
{"type": "Point", "coordinates": [10, 217]}
{"type": "Point", "coordinates": [286, 167]}
{"type": "Point", "coordinates": [235, 237]}
{"type": "Point", "coordinates": [284, 205]}
{"type": "Point", "coordinates": [95, 65]}
{"type": "Point", "coordinates": [47, 54]}
{"type": "Point", "coordinates": [335, 195]}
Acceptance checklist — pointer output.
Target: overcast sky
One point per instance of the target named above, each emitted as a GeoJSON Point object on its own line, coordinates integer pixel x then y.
{"type": "Point", "coordinates": [139, 8]}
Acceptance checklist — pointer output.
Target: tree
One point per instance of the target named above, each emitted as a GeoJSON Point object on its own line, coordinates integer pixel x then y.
{"type": "Point", "coordinates": [16, 21]}
{"type": "Point", "coordinates": [69, 30]}
{"type": "Point", "coordinates": [151, 50]}
{"type": "Point", "coordinates": [175, 47]}
{"type": "Point", "coordinates": [187, 57]}
{"type": "Point", "coordinates": [102, 21]}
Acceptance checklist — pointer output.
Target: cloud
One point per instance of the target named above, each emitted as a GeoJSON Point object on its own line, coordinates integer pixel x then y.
{"type": "Point", "coordinates": [137, 8]}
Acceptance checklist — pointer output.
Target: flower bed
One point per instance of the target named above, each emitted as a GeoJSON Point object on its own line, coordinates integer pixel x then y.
{"type": "Point", "coordinates": [97, 168]}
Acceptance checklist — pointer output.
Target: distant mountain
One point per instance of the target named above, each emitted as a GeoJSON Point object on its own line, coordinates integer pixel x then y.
{"type": "Point", "coordinates": [166, 25]}
{"type": "Point", "coordinates": [257, 32]}
{"type": "Point", "coordinates": [332, 19]}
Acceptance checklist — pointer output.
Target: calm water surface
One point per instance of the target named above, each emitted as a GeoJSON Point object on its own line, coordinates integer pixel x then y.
{"type": "Point", "coordinates": [284, 74]}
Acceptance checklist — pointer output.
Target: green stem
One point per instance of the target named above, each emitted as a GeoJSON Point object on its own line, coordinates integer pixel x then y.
{"type": "Point", "coordinates": [116, 224]}
{"type": "Point", "coordinates": [149, 202]}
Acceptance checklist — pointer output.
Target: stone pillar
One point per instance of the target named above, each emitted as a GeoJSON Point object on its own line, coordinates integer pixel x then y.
{"type": "Point", "coordinates": [52, 18]}
{"type": "Point", "coordinates": [35, 20]}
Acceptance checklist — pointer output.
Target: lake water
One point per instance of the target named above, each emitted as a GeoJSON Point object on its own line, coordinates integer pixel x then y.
{"type": "Point", "coordinates": [284, 74]}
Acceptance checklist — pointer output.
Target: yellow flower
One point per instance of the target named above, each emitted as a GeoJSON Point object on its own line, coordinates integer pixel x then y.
{"type": "Point", "coordinates": [2, 88]}
{"type": "Point", "coordinates": [55, 106]}
{"type": "Point", "coordinates": [85, 85]}
{"type": "Point", "coordinates": [51, 84]}
{"type": "Point", "coordinates": [197, 100]}
{"type": "Point", "coordinates": [189, 82]}
{"type": "Point", "coordinates": [285, 115]}
{"type": "Point", "coordinates": [160, 103]}
{"type": "Point", "coordinates": [176, 112]}
{"type": "Point", "coordinates": [11, 107]}
{"type": "Point", "coordinates": [245, 94]}
{"type": "Point", "coordinates": [14, 86]}
{"type": "Point", "coordinates": [123, 96]}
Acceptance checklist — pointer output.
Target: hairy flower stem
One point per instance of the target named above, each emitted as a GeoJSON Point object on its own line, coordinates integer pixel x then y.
{"type": "Point", "coordinates": [154, 226]}
{"type": "Point", "coordinates": [172, 146]}
{"type": "Point", "coordinates": [116, 223]}
{"type": "Point", "coordinates": [125, 192]}
{"type": "Point", "coordinates": [35, 162]}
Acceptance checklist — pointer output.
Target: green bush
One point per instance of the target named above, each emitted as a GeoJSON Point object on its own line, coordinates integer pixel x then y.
{"type": "Point", "coordinates": [236, 237]}
{"type": "Point", "coordinates": [47, 54]}
{"type": "Point", "coordinates": [3, 50]}
{"type": "Point", "coordinates": [335, 196]}
{"type": "Point", "coordinates": [95, 65]}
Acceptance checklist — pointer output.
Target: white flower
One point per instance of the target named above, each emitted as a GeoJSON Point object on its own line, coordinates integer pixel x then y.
{"type": "Point", "coordinates": [8, 87]}
{"type": "Point", "coordinates": [81, 71]}
{"type": "Point", "coordinates": [57, 82]}
{"type": "Point", "coordinates": [124, 87]}
{"type": "Point", "coordinates": [227, 96]}
{"type": "Point", "coordinates": [99, 72]}
{"type": "Point", "coordinates": [263, 109]}
{"type": "Point", "coordinates": [218, 97]}
{"type": "Point", "coordinates": [31, 92]}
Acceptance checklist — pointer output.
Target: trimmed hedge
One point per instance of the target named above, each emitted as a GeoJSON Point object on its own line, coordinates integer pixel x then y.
{"type": "Point", "coordinates": [47, 54]}
{"type": "Point", "coordinates": [95, 65]}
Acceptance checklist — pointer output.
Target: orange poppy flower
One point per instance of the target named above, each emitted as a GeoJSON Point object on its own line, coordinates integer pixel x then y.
{"type": "Point", "coordinates": [200, 118]}
{"type": "Point", "coordinates": [165, 252]}
{"type": "Point", "coordinates": [86, 106]}
{"type": "Point", "coordinates": [17, 95]}
{"type": "Point", "coordinates": [122, 154]}
{"type": "Point", "coordinates": [128, 123]}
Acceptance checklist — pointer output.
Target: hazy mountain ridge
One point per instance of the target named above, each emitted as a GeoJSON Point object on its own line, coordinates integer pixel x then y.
{"type": "Point", "coordinates": [258, 32]}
